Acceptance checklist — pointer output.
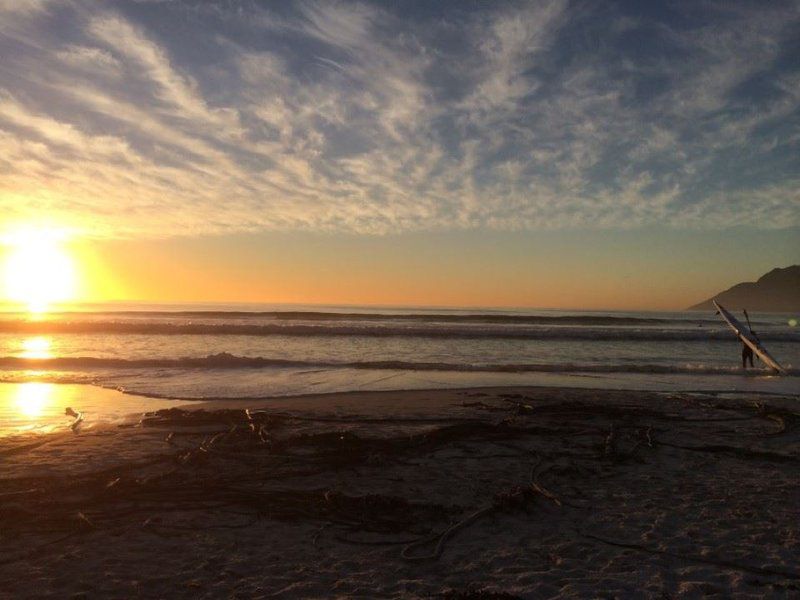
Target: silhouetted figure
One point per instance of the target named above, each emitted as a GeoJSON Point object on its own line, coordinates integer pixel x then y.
{"type": "Point", "coordinates": [747, 354]}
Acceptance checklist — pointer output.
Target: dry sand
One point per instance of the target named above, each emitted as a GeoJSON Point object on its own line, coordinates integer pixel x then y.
{"type": "Point", "coordinates": [497, 493]}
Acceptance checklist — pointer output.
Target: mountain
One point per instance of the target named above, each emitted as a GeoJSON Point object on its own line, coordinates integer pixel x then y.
{"type": "Point", "coordinates": [777, 291]}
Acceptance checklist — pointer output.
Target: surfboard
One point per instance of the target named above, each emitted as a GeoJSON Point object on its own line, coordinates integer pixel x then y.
{"type": "Point", "coordinates": [748, 338]}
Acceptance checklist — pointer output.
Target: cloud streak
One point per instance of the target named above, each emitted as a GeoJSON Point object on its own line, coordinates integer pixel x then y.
{"type": "Point", "coordinates": [183, 119]}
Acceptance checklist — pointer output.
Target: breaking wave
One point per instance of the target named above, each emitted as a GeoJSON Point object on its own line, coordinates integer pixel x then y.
{"type": "Point", "coordinates": [225, 360]}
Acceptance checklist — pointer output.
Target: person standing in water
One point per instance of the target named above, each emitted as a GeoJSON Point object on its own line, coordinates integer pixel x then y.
{"type": "Point", "coordinates": [747, 351]}
{"type": "Point", "coordinates": [747, 354]}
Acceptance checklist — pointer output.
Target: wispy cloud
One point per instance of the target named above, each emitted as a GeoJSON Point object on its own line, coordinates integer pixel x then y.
{"type": "Point", "coordinates": [91, 59]}
{"type": "Point", "coordinates": [22, 7]}
{"type": "Point", "coordinates": [178, 119]}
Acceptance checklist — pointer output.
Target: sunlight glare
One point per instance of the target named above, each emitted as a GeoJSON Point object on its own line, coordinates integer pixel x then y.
{"type": "Point", "coordinates": [32, 398]}
{"type": "Point", "coordinates": [36, 347]}
{"type": "Point", "coordinates": [38, 270]}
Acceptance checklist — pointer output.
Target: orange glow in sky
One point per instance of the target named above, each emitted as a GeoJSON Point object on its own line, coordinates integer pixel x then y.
{"type": "Point", "coordinates": [45, 269]}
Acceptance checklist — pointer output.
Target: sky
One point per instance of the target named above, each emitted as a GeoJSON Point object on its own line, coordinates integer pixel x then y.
{"type": "Point", "coordinates": [545, 154]}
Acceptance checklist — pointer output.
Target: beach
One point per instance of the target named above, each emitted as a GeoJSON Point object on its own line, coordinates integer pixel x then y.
{"type": "Point", "coordinates": [505, 492]}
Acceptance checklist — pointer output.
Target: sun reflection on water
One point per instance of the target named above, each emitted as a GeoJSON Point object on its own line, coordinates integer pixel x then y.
{"type": "Point", "coordinates": [33, 398]}
{"type": "Point", "coordinates": [36, 347]}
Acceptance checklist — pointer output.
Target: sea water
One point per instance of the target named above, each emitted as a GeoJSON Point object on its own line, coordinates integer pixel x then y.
{"type": "Point", "coordinates": [261, 351]}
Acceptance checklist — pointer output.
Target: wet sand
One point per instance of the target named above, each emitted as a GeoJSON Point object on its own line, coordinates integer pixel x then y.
{"type": "Point", "coordinates": [504, 492]}
{"type": "Point", "coordinates": [36, 407]}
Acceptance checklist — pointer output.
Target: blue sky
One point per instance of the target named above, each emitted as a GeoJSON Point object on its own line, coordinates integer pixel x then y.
{"type": "Point", "coordinates": [157, 119]}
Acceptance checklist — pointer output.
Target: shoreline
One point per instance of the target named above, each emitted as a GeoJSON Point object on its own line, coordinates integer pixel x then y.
{"type": "Point", "coordinates": [529, 492]}
{"type": "Point", "coordinates": [103, 405]}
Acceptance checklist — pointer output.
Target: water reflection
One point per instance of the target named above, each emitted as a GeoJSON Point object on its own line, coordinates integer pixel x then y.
{"type": "Point", "coordinates": [33, 399]}
{"type": "Point", "coordinates": [36, 347]}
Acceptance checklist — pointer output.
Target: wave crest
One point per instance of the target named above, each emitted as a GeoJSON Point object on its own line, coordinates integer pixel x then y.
{"type": "Point", "coordinates": [225, 360]}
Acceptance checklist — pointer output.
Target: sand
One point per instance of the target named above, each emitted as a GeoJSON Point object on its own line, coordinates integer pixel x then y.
{"type": "Point", "coordinates": [506, 492]}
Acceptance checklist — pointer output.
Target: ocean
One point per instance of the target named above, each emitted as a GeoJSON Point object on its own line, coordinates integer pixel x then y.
{"type": "Point", "coordinates": [198, 352]}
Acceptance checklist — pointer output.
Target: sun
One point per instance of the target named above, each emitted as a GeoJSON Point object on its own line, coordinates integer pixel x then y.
{"type": "Point", "coordinates": [39, 271]}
